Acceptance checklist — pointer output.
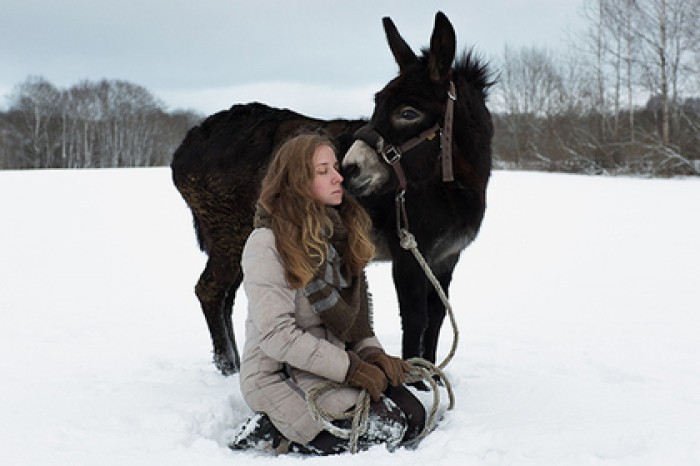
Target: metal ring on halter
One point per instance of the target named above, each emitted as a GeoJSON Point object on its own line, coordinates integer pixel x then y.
{"type": "Point", "coordinates": [401, 216]}
{"type": "Point", "coordinates": [394, 152]}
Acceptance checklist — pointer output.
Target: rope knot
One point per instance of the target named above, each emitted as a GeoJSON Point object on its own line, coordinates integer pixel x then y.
{"type": "Point", "coordinates": [407, 240]}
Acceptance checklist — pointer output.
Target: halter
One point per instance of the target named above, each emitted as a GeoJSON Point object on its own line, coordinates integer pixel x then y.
{"type": "Point", "coordinates": [392, 154]}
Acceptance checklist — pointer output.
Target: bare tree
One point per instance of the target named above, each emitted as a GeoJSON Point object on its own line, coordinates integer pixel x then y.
{"type": "Point", "coordinates": [36, 102]}
{"type": "Point", "coordinates": [531, 82]}
{"type": "Point", "coordinates": [617, 55]}
{"type": "Point", "coordinates": [665, 29]}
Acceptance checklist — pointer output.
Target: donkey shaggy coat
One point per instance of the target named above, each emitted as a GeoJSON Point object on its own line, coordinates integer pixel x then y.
{"type": "Point", "coordinates": [220, 164]}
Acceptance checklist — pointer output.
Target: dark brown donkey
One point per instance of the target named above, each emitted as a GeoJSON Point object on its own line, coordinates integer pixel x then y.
{"type": "Point", "coordinates": [397, 154]}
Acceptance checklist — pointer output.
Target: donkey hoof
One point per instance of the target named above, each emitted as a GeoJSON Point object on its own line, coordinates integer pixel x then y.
{"type": "Point", "coordinates": [225, 365]}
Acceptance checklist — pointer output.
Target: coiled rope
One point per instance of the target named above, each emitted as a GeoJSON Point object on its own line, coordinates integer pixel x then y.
{"type": "Point", "coordinates": [421, 371]}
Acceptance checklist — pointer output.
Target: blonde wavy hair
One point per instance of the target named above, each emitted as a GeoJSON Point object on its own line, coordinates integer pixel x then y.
{"type": "Point", "coordinates": [300, 222]}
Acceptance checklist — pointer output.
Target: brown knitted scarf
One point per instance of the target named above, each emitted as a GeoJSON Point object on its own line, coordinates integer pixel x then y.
{"type": "Point", "coordinates": [343, 303]}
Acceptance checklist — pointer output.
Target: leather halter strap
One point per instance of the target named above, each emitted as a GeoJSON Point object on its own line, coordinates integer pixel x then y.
{"type": "Point", "coordinates": [392, 154]}
{"type": "Point", "coordinates": [446, 140]}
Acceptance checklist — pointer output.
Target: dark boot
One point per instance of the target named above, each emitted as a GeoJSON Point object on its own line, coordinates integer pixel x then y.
{"type": "Point", "coordinates": [414, 411]}
{"type": "Point", "coordinates": [387, 425]}
{"type": "Point", "coordinates": [257, 433]}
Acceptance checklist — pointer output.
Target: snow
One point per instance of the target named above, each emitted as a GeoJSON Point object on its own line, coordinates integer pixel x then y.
{"type": "Point", "coordinates": [577, 309]}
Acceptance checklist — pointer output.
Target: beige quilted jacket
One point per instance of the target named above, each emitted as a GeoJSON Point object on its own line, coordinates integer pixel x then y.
{"type": "Point", "coordinates": [287, 349]}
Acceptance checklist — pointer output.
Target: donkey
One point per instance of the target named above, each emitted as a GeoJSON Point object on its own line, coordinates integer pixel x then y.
{"type": "Point", "coordinates": [423, 156]}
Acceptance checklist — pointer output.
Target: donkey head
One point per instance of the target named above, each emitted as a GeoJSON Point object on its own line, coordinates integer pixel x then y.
{"type": "Point", "coordinates": [407, 117]}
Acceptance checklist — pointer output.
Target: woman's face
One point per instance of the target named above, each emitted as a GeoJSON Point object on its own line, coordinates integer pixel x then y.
{"type": "Point", "coordinates": [327, 183]}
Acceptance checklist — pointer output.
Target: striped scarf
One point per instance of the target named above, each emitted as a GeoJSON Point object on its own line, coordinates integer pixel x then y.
{"type": "Point", "coordinates": [343, 303]}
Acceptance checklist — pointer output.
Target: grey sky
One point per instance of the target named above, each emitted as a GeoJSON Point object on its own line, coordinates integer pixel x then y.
{"type": "Point", "coordinates": [321, 57]}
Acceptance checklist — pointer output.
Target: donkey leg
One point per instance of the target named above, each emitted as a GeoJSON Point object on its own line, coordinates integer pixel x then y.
{"type": "Point", "coordinates": [212, 289]}
{"type": "Point", "coordinates": [436, 316]}
{"type": "Point", "coordinates": [411, 292]}
{"type": "Point", "coordinates": [228, 312]}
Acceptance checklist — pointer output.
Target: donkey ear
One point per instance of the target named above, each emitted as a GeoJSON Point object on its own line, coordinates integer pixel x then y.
{"type": "Point", "coordinates": [403, 54]}
{"type": "Point", "coordinates": [442, 48]}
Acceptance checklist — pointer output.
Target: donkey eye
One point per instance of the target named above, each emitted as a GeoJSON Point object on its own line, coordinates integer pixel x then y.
{"type": "Point", "coordinates": [409, 114]}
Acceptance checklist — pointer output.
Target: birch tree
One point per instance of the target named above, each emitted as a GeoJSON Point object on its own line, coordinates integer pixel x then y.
{"type": "Point", "coordinates": [665, 30]}
{"type": "Point", "coordinates": [36, 101]}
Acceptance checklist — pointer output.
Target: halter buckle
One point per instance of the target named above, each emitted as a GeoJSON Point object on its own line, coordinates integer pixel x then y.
{"type": "Point", "coordinates": [391, 155]}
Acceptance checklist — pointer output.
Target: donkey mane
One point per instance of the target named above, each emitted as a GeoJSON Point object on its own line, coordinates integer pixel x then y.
{"type": "Point", "coordinates": [475, 71]}
{"type": "Point", "coordinates": [472, 67]}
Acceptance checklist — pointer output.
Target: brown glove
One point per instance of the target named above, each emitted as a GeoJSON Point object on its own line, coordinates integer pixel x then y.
{"type": "Point", "coordinates": [395, 369]}
{"type": "Point", "coordinates": [363, 375]}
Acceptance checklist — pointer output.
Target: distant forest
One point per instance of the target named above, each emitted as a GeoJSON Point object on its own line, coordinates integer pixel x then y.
{"type": "Point", "coordinates": [90, 125]}
{"type": "Point", "coordinates": [623, 99]}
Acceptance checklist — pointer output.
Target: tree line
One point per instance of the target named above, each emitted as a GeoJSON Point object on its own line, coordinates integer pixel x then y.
{"type": "Point", "coordinates": [108, 123]}
{"type": "Point", "coordinates": [622, 98]}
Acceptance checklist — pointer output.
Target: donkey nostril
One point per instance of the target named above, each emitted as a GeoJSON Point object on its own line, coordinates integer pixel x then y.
{"type": "Point", "coordinates": [350, 170]}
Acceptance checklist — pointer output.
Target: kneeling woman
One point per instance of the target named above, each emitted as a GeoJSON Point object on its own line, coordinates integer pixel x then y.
{"type": "Point", "coordinates": [309, 311]}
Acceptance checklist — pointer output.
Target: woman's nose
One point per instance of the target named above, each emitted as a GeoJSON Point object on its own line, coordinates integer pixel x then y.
{"type": "Point", "coordinates": [338, 177]}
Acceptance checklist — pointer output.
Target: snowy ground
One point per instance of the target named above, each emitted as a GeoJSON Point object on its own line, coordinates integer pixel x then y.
{"type": "Point", "coordinates": [578, 308]}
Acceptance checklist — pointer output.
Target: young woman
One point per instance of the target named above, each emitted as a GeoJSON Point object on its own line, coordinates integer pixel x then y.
{"type": "Point", "coordinates": [309, 316]}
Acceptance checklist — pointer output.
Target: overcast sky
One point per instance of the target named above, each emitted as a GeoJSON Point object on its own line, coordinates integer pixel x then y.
{"type": "Point", "coordinates": [321, 57]}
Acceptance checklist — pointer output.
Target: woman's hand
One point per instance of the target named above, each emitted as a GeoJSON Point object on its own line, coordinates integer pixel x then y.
{"type": "Point", "coordinates": [364, 375]}
{"type": "Point", "coordinates": [395, 369]}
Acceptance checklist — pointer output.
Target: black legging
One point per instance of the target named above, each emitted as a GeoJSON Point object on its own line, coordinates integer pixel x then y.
{"type": "Point", "coordinates": [408, 411]}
